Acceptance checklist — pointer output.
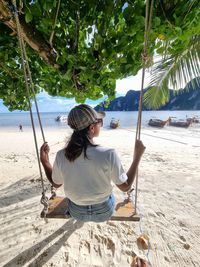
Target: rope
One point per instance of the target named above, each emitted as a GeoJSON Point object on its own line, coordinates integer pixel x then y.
{"type": "Point", "coordinates": [53, 190]}
{"type": "Point", "coordinates": [148, 18]}
{"type": "Point", "coordinates": [28, 82]}
{"type": "Point", "coordinates": [32, 89]}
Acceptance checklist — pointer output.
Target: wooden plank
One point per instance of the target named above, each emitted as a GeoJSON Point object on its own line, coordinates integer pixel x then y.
{"type": "Point", "coordinates": [124, 211]}
{"type": "Point", "coordinates": [57, 208]}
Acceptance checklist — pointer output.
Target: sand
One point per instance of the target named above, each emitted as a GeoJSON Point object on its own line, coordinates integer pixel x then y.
{"type": "Point", "coordinates": [168, 203]}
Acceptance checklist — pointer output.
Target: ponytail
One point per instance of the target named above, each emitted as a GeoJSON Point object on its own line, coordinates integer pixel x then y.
{"type": "Point", "coordinates": [77, 144]}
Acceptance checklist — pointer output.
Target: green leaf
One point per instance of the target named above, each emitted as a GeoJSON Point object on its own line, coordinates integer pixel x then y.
{"type": "Point", "coordinates": [160, 50]}
{"type": "Point", "coordinates": [28, 17]}
{"type": "Point", "coordinates": [89, 30]}
{"type": "Point", "coordinates": [156, 97]}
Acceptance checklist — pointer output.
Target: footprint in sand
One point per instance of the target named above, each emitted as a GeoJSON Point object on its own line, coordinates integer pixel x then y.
{"type": "Point", "coordinates": [85, 247]}
{"type": "Point", "coordinates": [160, 214]}
{"type": "Point", "coordinates": [182, 238]}
{"type": "Point", "coordinates": [84, 253]}
{"type": "Point", "coordinates": [106, 242]}
{"type": "Point", "coordinates": [182, 224]}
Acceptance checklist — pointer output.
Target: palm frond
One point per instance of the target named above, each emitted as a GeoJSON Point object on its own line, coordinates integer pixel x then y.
{"type": "Point", "coordinates": [155, 97]}
{"type": "Point", "coordinates": [176, 71]}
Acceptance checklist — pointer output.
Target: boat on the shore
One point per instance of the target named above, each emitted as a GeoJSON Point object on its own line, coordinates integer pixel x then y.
{"type": "Point", "coordinates": [180, 123]}
{"type": "Point", "coordinates": [114, 123]}
{"type": "Point", "coordinates": [194, 119]}
{"type": "Point", "coordinates": [60, 118]}
{"type": "Point", "coordinates": [158, 123]}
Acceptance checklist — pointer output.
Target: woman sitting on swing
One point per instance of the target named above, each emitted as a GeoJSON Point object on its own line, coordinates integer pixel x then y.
{"type": "Point", "coordinates": [87, 169]}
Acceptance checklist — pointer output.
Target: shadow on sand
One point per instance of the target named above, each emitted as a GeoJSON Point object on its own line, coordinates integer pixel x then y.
{"type": "Point", "coordinates": [34, 252]}
{"type": "Point", "coordinates": [23, 189]}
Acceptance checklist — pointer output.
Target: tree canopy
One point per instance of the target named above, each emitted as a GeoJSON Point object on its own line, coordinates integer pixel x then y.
{"type": "Point", "coordinates": [79, 48]}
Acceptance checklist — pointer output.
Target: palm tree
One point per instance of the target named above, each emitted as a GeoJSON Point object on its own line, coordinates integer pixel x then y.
{"type": "Point", "coordinates": [177, 67]}
{"type": "Point", "coordinates": [174, 70]}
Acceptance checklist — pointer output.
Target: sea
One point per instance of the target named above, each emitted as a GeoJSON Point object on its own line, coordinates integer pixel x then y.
{"type": "Point", "coordinates": [128, 119]}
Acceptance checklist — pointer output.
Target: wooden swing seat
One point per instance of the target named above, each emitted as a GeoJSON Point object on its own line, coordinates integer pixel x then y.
{"type": "Point", "coordinates": [124, 210]}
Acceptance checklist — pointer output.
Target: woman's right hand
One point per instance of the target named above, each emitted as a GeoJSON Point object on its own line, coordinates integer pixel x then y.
{"type": "Point", "coordinates": [139, 149]}
{"type": "Point", "coordinates": [131, 173]}
{"type": "Point", "coordinates": [44, 152]}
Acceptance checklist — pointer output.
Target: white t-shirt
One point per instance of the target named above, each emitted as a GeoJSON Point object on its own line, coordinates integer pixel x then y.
{"type": "Point", "coordinates": [88, 181]}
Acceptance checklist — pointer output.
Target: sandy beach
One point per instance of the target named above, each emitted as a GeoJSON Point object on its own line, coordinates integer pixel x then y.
{"type": "Point", "coordinates": [168, 204]}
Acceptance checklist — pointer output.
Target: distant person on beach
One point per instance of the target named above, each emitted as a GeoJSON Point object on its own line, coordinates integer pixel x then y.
{"type": "Point", "coordinates": [20, 128]}
{"type": "Point", "coordinates": [87, 169]}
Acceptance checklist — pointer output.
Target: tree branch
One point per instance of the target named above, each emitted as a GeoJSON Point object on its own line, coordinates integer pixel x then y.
{"type": "Point", "coordinates": [54, 25]}
{"type": "Point", "coordinates": [31, 36]}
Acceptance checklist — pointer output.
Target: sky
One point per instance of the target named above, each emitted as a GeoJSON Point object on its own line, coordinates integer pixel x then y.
{"type": "Point", "coordinates": [48, 103]}
{"type": "Point", "coordinates": [132, 83]}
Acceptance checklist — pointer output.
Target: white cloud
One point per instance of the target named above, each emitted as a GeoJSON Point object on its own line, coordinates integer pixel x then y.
{"type": "Point", "coordinates": [132, 82]}
{"type": "Point", "coordinates": [48, 103]}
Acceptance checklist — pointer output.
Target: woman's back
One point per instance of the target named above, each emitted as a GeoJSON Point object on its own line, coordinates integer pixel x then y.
{"type": "Point", "coordinates": [88, 180]}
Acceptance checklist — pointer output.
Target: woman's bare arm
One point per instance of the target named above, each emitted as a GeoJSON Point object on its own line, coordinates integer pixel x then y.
{"type": "Point", "coordinates": [44, 158]}
{"type": "Point", "coordinates": [131, 173]}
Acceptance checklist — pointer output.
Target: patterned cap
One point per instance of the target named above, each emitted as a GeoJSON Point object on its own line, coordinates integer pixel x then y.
{"type": "Point", "coordinates": [80, 117]}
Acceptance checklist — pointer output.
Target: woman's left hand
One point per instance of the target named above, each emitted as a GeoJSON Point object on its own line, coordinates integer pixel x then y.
{"type": "Point", "coordinates": [44, 152]}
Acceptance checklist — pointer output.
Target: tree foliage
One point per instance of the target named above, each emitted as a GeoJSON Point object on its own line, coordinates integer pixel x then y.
{"type": "Point", "coordinates": [179, 64]}
{"type": "Point", "coordinates": [90, 44]}
{"type": "Point", "coordinates": [179, 70]}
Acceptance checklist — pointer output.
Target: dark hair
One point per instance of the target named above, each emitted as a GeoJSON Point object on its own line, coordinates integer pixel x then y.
{"type": "Point", "coordinates": [78, 143]}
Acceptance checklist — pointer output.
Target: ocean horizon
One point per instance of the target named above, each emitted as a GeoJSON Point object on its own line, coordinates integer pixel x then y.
{"type": "Point", "coordinates": [127, 119]}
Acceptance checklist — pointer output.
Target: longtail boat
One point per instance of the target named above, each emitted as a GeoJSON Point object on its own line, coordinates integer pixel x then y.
{"type": "Point", "coordinates": [114, 123]}
{"type": "Point", "coordinates": [194, 119]}
{"type": "Point", "coordinates": [180, 123]}
{"type": "Point", "coordinates": [157, 123]}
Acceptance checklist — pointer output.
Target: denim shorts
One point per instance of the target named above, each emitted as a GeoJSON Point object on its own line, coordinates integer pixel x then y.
{"type": "Point", "coordinates": [96, 213]}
